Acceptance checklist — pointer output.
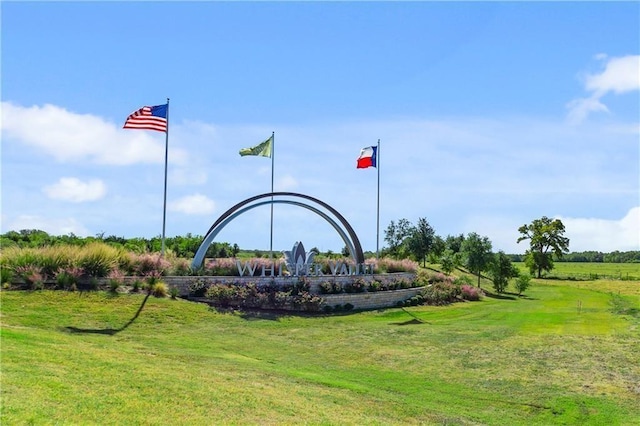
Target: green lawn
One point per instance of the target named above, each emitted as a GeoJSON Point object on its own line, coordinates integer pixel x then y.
{"type": "Point", "coordinates": [591, 270]}
{"type": "Point", "coordinates": [561, 355]}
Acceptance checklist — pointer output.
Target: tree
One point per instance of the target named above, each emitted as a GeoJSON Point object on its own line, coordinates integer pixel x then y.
{"type": "Point", "coordinates": [437, 249]}
{"type": "Point", "coordinates": [545, 241]}
{"type": "Point", "coordinates": [454, 242]}
{"type": "Point", "coordinates": [449, 261]}
{"type": "Point", "coordinates": [502, 271]}
{"type": "Point", "coordinates": [395, 236]}
{"type": "Point", "coordinates": [522, 283]}
{"type": "Point", "coordinates": [477, 253]}
{"type": "Point", "coordinates": [420, 241]}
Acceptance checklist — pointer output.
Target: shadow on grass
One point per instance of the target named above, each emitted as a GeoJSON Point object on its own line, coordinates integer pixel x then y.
{"type": "Point", "coordinates": [256, 314]}
{"type": "Point", "coordinates": [502, 296]}
{"type": "Point", "coordinates": [413, 321]}
{"type": "Point", "coordinates": [108, 331]}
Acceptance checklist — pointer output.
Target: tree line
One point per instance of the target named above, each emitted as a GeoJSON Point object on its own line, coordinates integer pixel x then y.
{"type": "Point", "coordinates": [545, 237]}
{"type": "Point", "coordinates": [180, 246]}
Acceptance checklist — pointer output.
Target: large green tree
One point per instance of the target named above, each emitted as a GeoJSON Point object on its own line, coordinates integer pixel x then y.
{"type": "Point", "coordinates": [421, 240]}
{"type": "Point", "coordinates": [477, 254]}
{"type": "Point", "coordinates": [502, 270]}
{"type": "Point", "coordinates": [546, 240]}
{"type": "Point", "coordinates": [395, 236]}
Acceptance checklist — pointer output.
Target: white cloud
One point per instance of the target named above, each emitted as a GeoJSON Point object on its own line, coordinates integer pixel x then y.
{"type": "Point", "coordinates": [603, 235]}
{"type": "Point", "coordinates": [76, 191]}
{"type": "Point", "coordinates": [52, 226]}
{"type": "Point", "coordinates": [72, 137]}
{"type": "Point", "coordinates": [501, 230]}
{"type": "Point", "coordinates": [196, 204]}
{"type": "Point", "coordinates": [620, 75]}
{"type": "Point", "coordinates": [286, 183]}
{"type": "Point", "coordinates": [579, 109]}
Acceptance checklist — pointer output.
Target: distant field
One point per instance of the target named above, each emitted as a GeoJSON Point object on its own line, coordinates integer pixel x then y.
{"type": "Point", "coordinates": [564, 354]}
{"type": "Point", "coordinates": [591, 270]}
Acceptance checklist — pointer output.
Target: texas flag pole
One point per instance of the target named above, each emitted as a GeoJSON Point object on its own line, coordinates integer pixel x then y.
{"type": "Point", "coordinates": [369, 157]}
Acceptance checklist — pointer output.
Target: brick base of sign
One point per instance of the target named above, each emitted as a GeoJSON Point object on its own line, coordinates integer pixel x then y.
{"type": "Point", "coordinates": [363, 300]}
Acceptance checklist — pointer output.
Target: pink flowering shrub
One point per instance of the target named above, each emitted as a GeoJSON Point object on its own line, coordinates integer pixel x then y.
{"type": "Point", "coordinates": [469, 292]}
{"type": "Point", "coordinates": [148, 264]}
{"type": "Point", "coordinates": [221, 267]}
{"type": "Point", "coordinates": [228, 266]}
{"type": "Point", "coordinates": [441, 293]}
{"type": "Point", "coordinates": [67, 278]}
{"type": "Point", "coordinates": [31, 275]}
{"type": "Point", "coordinates": [391, 265]}
{"type": "Point", "coordinates": [180, 267]}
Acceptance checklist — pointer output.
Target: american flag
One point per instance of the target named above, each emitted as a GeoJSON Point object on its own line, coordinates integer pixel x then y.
{"type": "Point", "coordinates": [148, 118]}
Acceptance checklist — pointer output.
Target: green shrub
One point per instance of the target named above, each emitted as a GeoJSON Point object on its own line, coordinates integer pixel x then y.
{"type": "Point", "coordinates": [357, 285]}
{"type": "Point", "coordinates": [374, 286]}
{"type": "Point", "coordinates": [174, 292]}
{"type": "Point", "coordinates": [56, 258]}
{"type": "Point", "coordinates": [159, 289]}
{"type": "Point", "coordinates": [221, 294]}
{"type": "Point", "coordinates": [307, 302]}
{"type": "Point", "coordinates": [93, 284]}
{"type": "Point", "coordinates": [198, 287]}
{"type": "Point", "coordinates": [14, 257]}
{"type": "Point", "coordinates": [6, 274]}
{"type": "Point", "coordinates": [68, 278]}
{"type": "Point", "coordinates": [522, 283]}
{"type": "Point", "coordinates": [463, 280]}
{"type": "Point", "coordinates": [441, 293]}
{"type": "Point", "coordinates": [330, 287]}
{"type": "Point", "coordinates": [98, 259]}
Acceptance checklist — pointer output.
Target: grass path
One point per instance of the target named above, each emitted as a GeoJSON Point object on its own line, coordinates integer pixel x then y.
{"type": "Point", "coordinates": [544, 359]}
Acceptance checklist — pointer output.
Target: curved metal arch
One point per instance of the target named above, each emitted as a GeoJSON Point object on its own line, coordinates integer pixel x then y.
{"type": "Point", "coordinates": [356, 253]}
{"type": "Point", "coordinates": [202, 250]}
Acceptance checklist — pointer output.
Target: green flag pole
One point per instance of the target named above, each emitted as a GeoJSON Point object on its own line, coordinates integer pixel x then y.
{"type": "Point", "coordinates": [273, 149]}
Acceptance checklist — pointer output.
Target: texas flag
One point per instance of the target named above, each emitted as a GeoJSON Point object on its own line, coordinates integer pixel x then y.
{"type": "Point", "coordinates": [368, 157]}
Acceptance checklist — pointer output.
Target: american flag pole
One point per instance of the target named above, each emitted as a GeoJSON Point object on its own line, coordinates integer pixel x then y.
{"type": "Point", "coordinates": [378, 206]}
{"type": "Point", "coordinates": [166, 158]}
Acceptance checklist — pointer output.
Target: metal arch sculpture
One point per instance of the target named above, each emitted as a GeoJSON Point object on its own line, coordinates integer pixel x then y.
{"type": "Point", "coordinates": [202, 250]}
{"type": "Point", "coordinates": [351, 240]}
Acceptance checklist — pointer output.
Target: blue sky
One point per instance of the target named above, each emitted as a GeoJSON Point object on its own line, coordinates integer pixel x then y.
{"type": "Point", "coordinates": [490, 115]}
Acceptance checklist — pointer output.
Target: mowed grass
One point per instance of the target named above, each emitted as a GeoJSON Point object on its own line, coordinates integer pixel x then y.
{"type": "Point", "coordinates": [591, 270]}
{"type": "Point", "coordinates": [560, 355]}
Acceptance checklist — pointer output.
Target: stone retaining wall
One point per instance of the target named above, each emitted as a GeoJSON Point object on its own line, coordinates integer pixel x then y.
{"type": "Point", "coordinates": [182, 283]}
{"type": "Point", "coordinates": [364, 300]}
{"type": "Point", "coordinates": [371, 300]}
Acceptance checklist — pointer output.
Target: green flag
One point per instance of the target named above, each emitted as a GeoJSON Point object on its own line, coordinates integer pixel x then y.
{"type": "Point", "coordinates": [263, 150]}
